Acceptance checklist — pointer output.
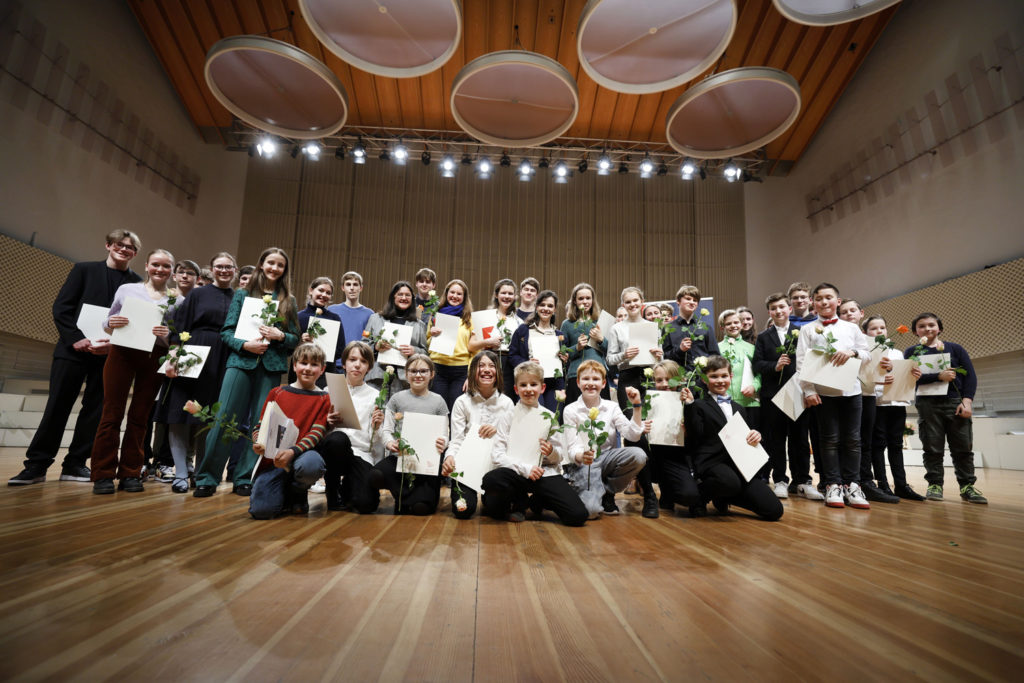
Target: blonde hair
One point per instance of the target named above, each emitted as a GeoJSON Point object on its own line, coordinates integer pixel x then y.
{"type": "Point", "coordinates": [309, 352]}
{"type": "Point", "coordinates": [528, 368]}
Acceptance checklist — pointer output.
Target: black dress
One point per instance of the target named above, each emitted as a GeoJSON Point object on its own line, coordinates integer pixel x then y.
{"type": "Point", "coordinates": [202, 315]}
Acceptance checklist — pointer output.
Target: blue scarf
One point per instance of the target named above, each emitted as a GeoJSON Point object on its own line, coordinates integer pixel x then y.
{"type": "Point", "coordinates": [448, 309]}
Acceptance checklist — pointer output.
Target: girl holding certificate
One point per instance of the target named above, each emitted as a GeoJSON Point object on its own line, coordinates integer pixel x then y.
{"type": "Point", "coordinates": [399, 310]}
{"type": "Point", "coordinates": [579, 328]}
{"type": "Point", "coordinates": [124, 367]}
{"type": "Point", "coordinates": [254, 367]}
{"type": "Point", "coordinates": [452, 368]}
{"type": "Point", "coordinates": [541, 321]}
{"type": "Point", "coordinates": [321, 292]}
{"type": "Point", "coordinates": [481, 407]}
{"type": "Point", "coordinates": [201, 317]}
{"type": "Point", "coordinates": [504, 303]}
{"type": "Point", "coordinates": [349, 453]}
{"type": "Point", "coordinates": [415, 494]}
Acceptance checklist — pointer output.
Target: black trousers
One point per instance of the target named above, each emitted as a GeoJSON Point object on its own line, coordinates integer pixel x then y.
{"type": "Point", "coordinates": [66, 379]}
{"type": "Point", "coordinates": [505, 491]}
{"type": "Point", "coordinates": [775, 431]}
{"type": "Point", "coordinates": [839, 425]}
{"type": "Point", "coordinates": [867, 429]}
{"type": "Point", "coordinates": [414, 494]}
{"type": "Point", "coordinates": [888, 436]}
{"type": "Point", "coordinates": [677, 482]}
{"type": "Point", "coordinates": [721, 482]}
{"type": "Point", "coordinates": [346, 478]}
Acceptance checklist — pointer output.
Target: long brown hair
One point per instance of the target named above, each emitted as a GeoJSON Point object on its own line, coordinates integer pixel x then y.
{"type": "Point", "coordinates": [467, 305]}
{"type": "Point", "coordinates": [283, 288]}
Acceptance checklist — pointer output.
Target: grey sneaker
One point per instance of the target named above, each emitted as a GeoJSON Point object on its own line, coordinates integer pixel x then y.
{"type": "Point", "coordinates": [972, 495]}
{"type": "Point", "coordinates": [934, 492]}
{"type": "Point", "coordinates": [26, 477]}
{"type": "Point", "coordinates": [73, 473]}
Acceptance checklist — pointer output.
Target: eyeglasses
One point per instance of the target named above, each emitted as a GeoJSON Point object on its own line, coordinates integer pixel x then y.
{"type": "Point", "coordinates": [223, 267]}
{"type": "Point", "coordinates": [418, 371]}
{"type": "Point", "coordinates": [120, 246]}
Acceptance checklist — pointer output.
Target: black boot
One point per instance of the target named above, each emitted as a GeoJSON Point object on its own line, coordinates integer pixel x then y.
{"type": "Point", "coordinates": [650, 509]}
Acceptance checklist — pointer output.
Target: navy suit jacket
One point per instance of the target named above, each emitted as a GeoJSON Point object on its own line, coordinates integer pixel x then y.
{"type": "Point", "coordinates": [765, 358]}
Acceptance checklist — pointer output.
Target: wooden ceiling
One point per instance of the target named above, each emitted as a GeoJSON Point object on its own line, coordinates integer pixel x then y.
{"type": "Point", "coordinates": [823, 60]}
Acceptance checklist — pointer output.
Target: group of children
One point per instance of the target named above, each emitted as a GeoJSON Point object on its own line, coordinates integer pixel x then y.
{"type": "Point", "coordinates": [492, 387]}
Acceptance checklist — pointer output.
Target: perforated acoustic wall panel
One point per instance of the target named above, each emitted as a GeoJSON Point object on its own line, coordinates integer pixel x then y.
{"type": "Point", "coordinates": [29, 282]}
{"type": "Point", "coordinates": [387, 221]}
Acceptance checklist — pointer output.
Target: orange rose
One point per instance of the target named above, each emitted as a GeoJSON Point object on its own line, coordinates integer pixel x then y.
{"type": "Point", "coordinates": [366, 333]}
{"type": "Point", "coordinates": [903, 329]}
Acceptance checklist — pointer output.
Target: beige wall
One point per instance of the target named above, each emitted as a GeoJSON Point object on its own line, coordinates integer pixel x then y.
{"type": "Point", "coordinates": [64, 184]}
{"type": "Point", "coordinates": [387, 221]}
{"type": "Point", "coordinates": [944, 215]}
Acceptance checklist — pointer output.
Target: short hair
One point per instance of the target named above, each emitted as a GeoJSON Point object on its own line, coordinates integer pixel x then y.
{"type": "Point", "coordinates": [309, 352]}
{"type": "Point", "coordinates": [593, 366]}
{"type": "Point", "coordinates": [667, 310]}
{"type": "Point", "coordinates": [246, 270]}
{"type": "Point", "coordinates": [851, 301]}
{"type": "Point", "coordinates": [824, 285]}
{"type": "Point", "coordinates": [224, 254]}
{"type": "Point", "coordinates": [360, 347]}
{"type": "Point", "coordinates": [913, 325]}
{"type": "Point", "coordinates": [725, 314]}
{"type": "Point", "coordinates": [797, 286]}
{"type": "Point", "coordinates": [188, 264]}
{"type": "Point", "coordinates": [115, 236]}
{"type": "Point", "coordinates": [420, 358]}
{"type": "Point", "coordinates": [688, 290]}
{"type": "Point", "coordinates": [627, 290]}
{"type": "Point", "coordinates": [532, 281]}
{"type": "Point", "coordinates": [351, 275]}
{"type": "Point", "coordinates": [776, 296]}
{"type": "Point", "coordinates": [868, 320]}
{"type": "Point", "coordinates": [206, 274]}
{"type": "Point", "coordinates": [528, 368]}
{"type": "Point", "coordinates": [425, 274]}
{"type": "Point", "coordinates": [472, 386]}
{"type": "Point", "coordinates": [717, 363]}
{"type": "Point", "coordinates": [670, 367]}
{"type": "Point", "coordinates": [647, 307]}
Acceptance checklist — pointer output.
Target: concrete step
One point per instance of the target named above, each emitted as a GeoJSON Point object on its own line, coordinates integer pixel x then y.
{"type": "Point", "coordinates": [25, 420]}
{"type": "Point", "coordinates": [11, 402]}
{"type": "Point", "coordinates": [37, 404]}
{"type": "Point", "coordinates": [21, 438]}
{"type": "Point", "coordinates": [26, 386]}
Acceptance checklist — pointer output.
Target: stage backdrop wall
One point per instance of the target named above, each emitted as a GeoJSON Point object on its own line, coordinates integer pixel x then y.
{"type": "Point", "coordinates": [386, 221]}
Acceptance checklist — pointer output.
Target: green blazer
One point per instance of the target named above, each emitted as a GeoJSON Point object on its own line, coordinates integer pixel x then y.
{"type": "Point", "coordinates": [277, 355]}
{"type": "Point", "coordinates": [739, 352]}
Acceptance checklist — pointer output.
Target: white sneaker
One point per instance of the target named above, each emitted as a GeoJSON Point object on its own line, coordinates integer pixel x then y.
{"type": "Point", "coordinates": [318, 487]}
{"type": "Point", "coordinates": [854, 497]}
{"type": "Point", "coordinates": [834, 496]}
{"type": "Point", "coordinates": [809, 492]}
{"type": "Point", "coordinates": [781, 489]}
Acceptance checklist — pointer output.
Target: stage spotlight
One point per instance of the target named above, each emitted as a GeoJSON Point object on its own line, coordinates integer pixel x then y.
{"type": "Point", "coordinates": [266, 147]}
{"type": "Point", "coordinates": [467, 160]}
{"type": "Point", "coordinates": [484, 168]}
{"type": "Point", "coordinates": [505, 161]}
{"type": "Point", "coordinates": [312, 150]}
{"type": "Point", "coordinates": [425, 157]}
{"type": "Point", "coordinates": [295, 151]}
{"type": "Point", "coordinates": [582, 166]}
{"type": "Point", "coordinates": [525, 170]}
{"type": "Point", "coordinates": [341, 151]}
{"type": "Point", "coordinates": [448, 166]}
{"type": "Point", "coordinates": [543, 162]}
{"type": "Point", "coordinates": [662, 169]}
{"type": "Point", "coordinates": [384, 155]}
{"type": "Point", "coordinates": [623, 168]}
{"type": "Point", "coordinates": [561, 172]}
{"type": "Point", "coordinates": [604, 164]}
{"type": "Point", "coordinates": [688, 168]}
{"type": "Point", "coordinates": [731, 171]}
{"type": "Point", "coordinates": [400, 154]}
{"type": "Point", "coordinates": [646, 167]}
{"type": "Point", "coordinates": [359, 153]}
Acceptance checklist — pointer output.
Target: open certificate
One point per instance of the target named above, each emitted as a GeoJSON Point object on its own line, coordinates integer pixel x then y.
{"type": "Point", "coordinates": [644, 336]}
{"type": "Point", "coordinates": [396, 335]}
{"type": "Point", "coordinates": [605, 321]}
{"type": "Point", "coordinates": [818, 369]}
{"type": "Point", "coordinates": [544, 347]}
{"type": "Point", "coordinates": [142, 316]}
{"type": "Point", "coordinates": [248, 326]}
{"type": "Point", "coordinates": [748, 459]}
{"type": "Point", "coordinates": [90, 322]}
{"type": "Point", "coordinates": [421, 431]}
{"type": "Point", "coordinates": [527, 429]}
{"type": "Point", "coordinates": [790, 399]}
{"type": "Point", "coordinates": [444, 343]}
{"type": "Point", "coordinates": [666, 418]}
{"type": "Point", "coordinates": [903, 384]}
{"type": "Point", "coordinates": [474, 458]}
{"type": "Point", "coordinates": [277, 431]}
{"type": "Point", "coordinates": [341, 400]}
{"type": "Point", "coordinates": [193, 372]}
{"type": "Point", "coordinates": [328, 341]}
{"type": "Point", "coordinates": [485, 323]}
{"type": "Point", "coordinates": [932, 364]}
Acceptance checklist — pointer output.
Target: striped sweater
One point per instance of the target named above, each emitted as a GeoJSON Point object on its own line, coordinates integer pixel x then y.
{"type": "Point", "coordinates": [308, 409]}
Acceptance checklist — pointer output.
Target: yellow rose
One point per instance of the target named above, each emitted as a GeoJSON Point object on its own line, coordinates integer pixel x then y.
{"type": "Point", "coordinates": [648, 372]}
{"type": "Point", "coordinates": [399, 416]}
{"type": "Point", "coordinates": [701, 361]}
{"type": "Point", "coordinates": [795, 332]}
{"type": "Point", "coordinates": [705, 311]}
{"type": "Point", "coordinates": [185, 336]}
{"type": "Point", "coordinates": [267, 298]}
{"type": "Point", "coordinates": [432, 292]}
{"type": "Point", "coordinates": [819, 329]}
{"type": "Point", "coordinates": [560, 396]}
{"type": "Point", "coordinates": [923, 341]}
{"type": "Point", "coordinates": [319, 311]}
{"type": "Point", "coordinates": [593, 413]}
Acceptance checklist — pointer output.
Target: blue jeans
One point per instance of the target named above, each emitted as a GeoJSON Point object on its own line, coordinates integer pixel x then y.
{"type": "Point", "coordinates": [272, 490]}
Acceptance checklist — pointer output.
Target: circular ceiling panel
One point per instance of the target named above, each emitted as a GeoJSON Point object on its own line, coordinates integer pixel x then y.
{"type": "Point", "coordinates": [646, 47]}
{"type": "Point", "coordinates": [514, 98]}
{"type": "Point", "coordinates": [733, 112]}
{"type": "Point", "coordinates": [394, 38]}
{"type": "Point", "coordinates": [276, 87]}
{"type": "Point", "coordinates": [829, 12]}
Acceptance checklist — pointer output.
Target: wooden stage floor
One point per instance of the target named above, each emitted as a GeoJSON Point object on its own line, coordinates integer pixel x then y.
{"type": "Point", "coordinates": [158, 586]}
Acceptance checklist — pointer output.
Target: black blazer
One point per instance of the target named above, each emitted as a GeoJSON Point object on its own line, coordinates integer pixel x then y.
{"type": "Point", "coordinates": [87, 283]}
{"type": "Point", "coordinates": [700, 347]}
{"type": "Point", "coordinates": [703, 420]}
{"type": "Point", "coordinates": [765, 357]}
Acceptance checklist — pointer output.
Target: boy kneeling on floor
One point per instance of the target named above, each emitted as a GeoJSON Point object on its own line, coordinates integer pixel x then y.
{"type": "Point", "coordinates": [283, 478]}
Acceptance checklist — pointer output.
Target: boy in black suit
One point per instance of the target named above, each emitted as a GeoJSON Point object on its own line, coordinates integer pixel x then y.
{"type": "Point", "coordinates": [77, 360]}
{"type": "Point", "coordinates": [775, 369]}
{"type": "Point", "coordinates": [718, 478]}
